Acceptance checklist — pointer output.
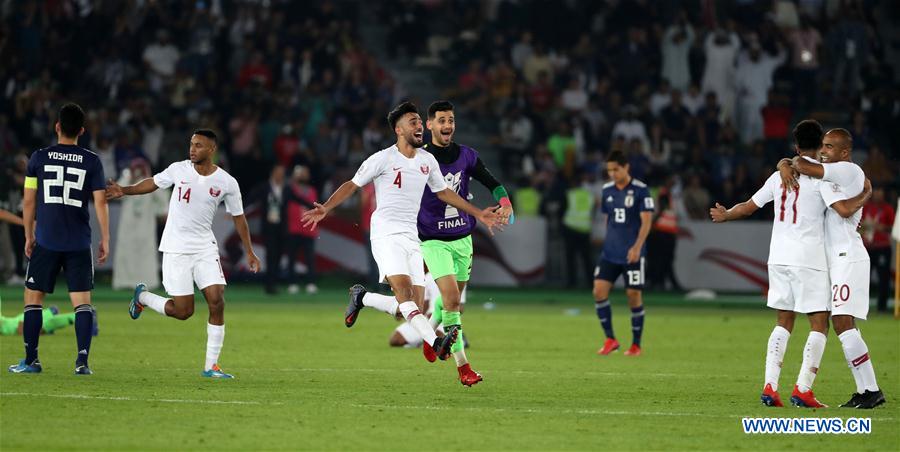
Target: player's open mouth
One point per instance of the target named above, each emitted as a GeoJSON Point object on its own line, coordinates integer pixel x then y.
{"type": "Point", "coordinates": [418, 135]}
{"type": "Point", "coordinates": [445, 135]}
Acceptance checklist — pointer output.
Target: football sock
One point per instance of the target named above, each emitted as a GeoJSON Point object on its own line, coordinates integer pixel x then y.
{"type": "Point", "coordinates": [812, 357]}
{"type": "Point", "coordinates": [778, 341]}
{"type": "Point", "coordinates": [857, 354]}
{"type": "Point", "coordinates": [415, 318]}
{"type": "Point", "coordinates": [380, 302]}
{"type": "Point", "coordinates": [31, 331]}
{"type": "Point", "coordinates": [54, 322]}
{"type": "Point", "coordinates": [452, 318]}
{"type": "Point", "coordinates": [84, 321]}
{"type": "Point", "coordinates": [215, 336]}
{"type": "Point", "coordinates": [604, 313]}
{"type": "Point", "coordinates": [437, 314]}
{"type": "Point", "coordinates": [637, 324]}
{"type": "Point", "coordinates": [153, 301]}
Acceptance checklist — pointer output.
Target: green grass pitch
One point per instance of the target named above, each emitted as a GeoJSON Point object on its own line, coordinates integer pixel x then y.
{"type": "Point", "coordinates": [304, 381]}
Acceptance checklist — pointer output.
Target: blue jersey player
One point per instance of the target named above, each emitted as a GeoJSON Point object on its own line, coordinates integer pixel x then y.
{"type": "Point", "coordinates": [60, 182]}
{"type": "Point", "coordinates": [628, 207]}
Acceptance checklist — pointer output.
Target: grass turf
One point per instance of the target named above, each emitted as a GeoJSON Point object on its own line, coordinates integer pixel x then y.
{"type": "Point", "coordinates": [306, 382]}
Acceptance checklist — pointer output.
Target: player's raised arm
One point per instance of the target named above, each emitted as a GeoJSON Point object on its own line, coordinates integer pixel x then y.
{"type": "Point", "coordinates": [102, 210]}
{"type": "Point", "coordinates": [720, 215]}
{"type": "Point", "coordinates": [116, 191]}
{"type": "Point", "coordinates": [486, 178]}
{"type": "Point", "coordinates": [318, 213]}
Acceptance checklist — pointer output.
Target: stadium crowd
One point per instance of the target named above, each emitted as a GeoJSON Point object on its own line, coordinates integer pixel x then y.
{"type": "Point", "coordinates": [701, 95]}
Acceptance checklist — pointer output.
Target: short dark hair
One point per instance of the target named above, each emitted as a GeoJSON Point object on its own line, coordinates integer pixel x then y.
{"type": "Point", "coordinates": [618, 157]}
{"type": "Point", "coordinates": [845, 134]}
{"type": "Point", "coordinates": [208, 134]}
{"type": "Point", "coordinates": [399, 111]}
{"type": "Point", "coordinates": [808, 135]}
{"type": "Point", "coordinates": [71, 120]}
{"type": "Point", "coordinates": [439, 105]}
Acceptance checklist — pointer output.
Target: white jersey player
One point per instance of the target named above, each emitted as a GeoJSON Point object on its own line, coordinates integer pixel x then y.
{"type": "Point", "coordinates": [400, 174]}
{"type": "Point", "coordinates": [190, 251]}
{"type": "Point", "coordinates": [848, 261]}
{"type": "Point", "coordinates": [407, 336]}
{"type": "Point", "coordinates": [798, 268]}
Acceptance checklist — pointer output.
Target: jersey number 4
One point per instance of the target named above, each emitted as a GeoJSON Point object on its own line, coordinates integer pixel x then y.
{"type": "Point", "coordinates": [59, 180]}
{"type": "Point", "coordinates": [398, 181]}
{"type": "Point", "coordinates": [186, 197]}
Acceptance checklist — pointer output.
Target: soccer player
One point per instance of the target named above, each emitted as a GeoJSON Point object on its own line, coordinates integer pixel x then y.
{"type": "Point", "coordinates": [848, 261]}
{"type": "Point", "coordinates": [629, 208]}
{"type": "Point", "coordinates": [51, 320]}
{"type": "Point", "coordinates": [400, 174]}
{"type": "Point", "coordinates": [60, 182]}
{"type": "Point", "coordinates": [190, 251]}
{"type": "Point", "coordinates": [798, 270]}
{"type": "Point", "coordinates": [446, 233]}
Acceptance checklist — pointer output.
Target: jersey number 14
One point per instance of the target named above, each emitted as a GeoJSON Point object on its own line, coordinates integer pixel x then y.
{"type": "Point", "coordinates": [186, 197]}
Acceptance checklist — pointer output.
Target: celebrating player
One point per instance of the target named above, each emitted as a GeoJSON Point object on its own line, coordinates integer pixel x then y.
{"type": "Point", "coordinates": [629, 208]}
{"type": "Point", "coordinates": [190, 251]}
{"type": "Point", "coordinates": [798, 278]}
{"type": "Point", "coordinates": [400, 174]}
{"type": "Point", "coordinates": [848, 261]}
{"type": "Point", "coordinates": [59, 183]}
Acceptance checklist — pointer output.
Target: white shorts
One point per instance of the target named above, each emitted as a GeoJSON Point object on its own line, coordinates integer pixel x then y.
{"type": "Point", "coordinates": [399, 254]}
{"type": "Point", "coordinates": [850, 288]}
{"type": "Point", "coordinates": [410, 335]}
{"type": "Point", "coordinates": [181, 271]}
{"type": "Point", "coordinates": [798, 289]}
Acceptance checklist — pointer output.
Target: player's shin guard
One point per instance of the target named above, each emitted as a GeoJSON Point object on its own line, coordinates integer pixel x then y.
{"type": "Point", "coordinates": [380, 302]}
{"type": "Point", "coordinates": [153, 301]}
{"type": "Point", "coordinates": [452, 318]}
{"type": "Point", "coordinates": [215, 336]}
{"type": "Point", "coordinates": [857, 354]}
{"type": "Point", "coordinates": [637, 324]}
{"type": "Point", "coordinates": [84, 321]}
{"type": "Point", "coordinates": [604, 313]}
{"type": "Point", "coordinates": [411, 313]}
{"type": "Point", "coordinates": [812, 357]}
{"type": "Point", "coordinates": [778, 341]}
{"type": "Point", "coordinates": [31, 331]}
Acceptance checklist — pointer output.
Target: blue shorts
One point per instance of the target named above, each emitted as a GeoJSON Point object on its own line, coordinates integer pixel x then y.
{"type": "Point", "coordinates": [45, 264]}
{"type": "Point", "coordinates": [633, 273]}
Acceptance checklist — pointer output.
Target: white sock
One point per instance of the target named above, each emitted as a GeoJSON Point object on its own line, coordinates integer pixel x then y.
{"type": "Point", "coordinates": [812, 357]}
{"type": "Point", "coordinates": [857, 354]}
{"type": "Point", "coordinates": [380, 302]}
{"type": "Point", "coordinates": [460, 357]}
{"type": "Point", "coordinates": [775, 355]}
{"type": "Point", "coordinates": [215, 336]}
{"type": "Point", "coordinates": [153, 301]}
{"type": "Point", "coordinates": [417, 320]}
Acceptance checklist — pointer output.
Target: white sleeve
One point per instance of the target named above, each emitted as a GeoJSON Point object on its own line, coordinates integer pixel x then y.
{"type": "Point", "coordinates": [436, 180]}
{"type": "Point", "coordinates": [840, 173]}
{"type": "Point", "coordinates": [765, 194]}
{"type": "Point", "coordinates": [234, 204]}
{"type": "Point", "coordinates": [831, 192]}
{"type": "Point", "coordinates": [166, 178]}
{"type": "Point", "coordinates": [368, 171]}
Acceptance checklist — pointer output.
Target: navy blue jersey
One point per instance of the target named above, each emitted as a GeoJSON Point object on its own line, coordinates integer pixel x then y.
{"type": "Point", "coordinates": [65, 177]}
{"type": "Point", "coordinates": [623, 209]}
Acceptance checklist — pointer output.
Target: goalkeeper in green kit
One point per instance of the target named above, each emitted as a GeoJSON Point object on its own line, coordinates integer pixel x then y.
{"type": "Point", "coordinates": [446, 232]}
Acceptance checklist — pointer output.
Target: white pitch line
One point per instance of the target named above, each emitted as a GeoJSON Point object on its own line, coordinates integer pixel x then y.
{"type": "Point", "coordinates": [133, 399]}
{"type": "Point", "coordinates": [525, 372]}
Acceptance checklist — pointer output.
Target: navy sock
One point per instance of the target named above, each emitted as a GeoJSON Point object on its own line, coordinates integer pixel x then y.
{"type": "Point", "coordinates": [637, 324]}
{"type": "Point", "coordinates": [31, 331]}
{"type": "Point", "coordinates": [604, 313]}
{"type": "Point", "coordinates": [84, 321]}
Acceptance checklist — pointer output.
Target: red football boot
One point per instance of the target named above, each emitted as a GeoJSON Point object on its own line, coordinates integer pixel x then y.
{"type": "Point", "coordinates": [770, 397]}
{"type": "Point", "coordinates": [805, 399]}
{"type": "Point", "coordinates": [635, 350]}
{"type": "Point", "coordinates": [429, 353]}
{"type": "Point", "coordinates": [609, 346]}
{"type": "Point", "coordinates": [467, 376]}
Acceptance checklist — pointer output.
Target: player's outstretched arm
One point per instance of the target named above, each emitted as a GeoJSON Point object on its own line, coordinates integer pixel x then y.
{"type": "Point", "coordinates": [720, 215]}
{"type": "Point", "coordinates": [116, 191]}
{"type": "Point", "coordinates": [807, 168]}
{"type": "Point", "coordinates": [29, 202]}
{"type": "Point", "coordinates": [489, 217]}
{"type": "Point", "coordinates": [102, 209]}
{"type": "Point", "coordinates": [847, 207]}
{"type": "Point", "coordinates": [10, 217]}
{"type": "Point", "coordinates": [243, 230]}
{"type": "Point", "coordinates": [312, 217]}
{"type": "Point", "coordinates": [486, 178]}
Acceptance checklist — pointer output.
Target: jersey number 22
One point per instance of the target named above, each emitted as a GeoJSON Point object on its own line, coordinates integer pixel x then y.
{"type": "Point", "coordinates": [59, 180]}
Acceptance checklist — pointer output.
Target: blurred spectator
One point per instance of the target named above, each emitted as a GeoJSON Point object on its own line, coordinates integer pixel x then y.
{"type": "Point", "coordinates": [161, 57]}
{"type": "Point", "coordinates": [300, 198]}
{"type": "Point", "coordinates": [661, 98]}
{"type": "Point", "coordinates": [578, 208]}
{"type": "Point", "coordinates": [676, 46]}
{"type": "Point", "coordinates": [721, 48]}
{"type": "Point", "coordinates": [877, 221]}
{"type": "Point", "coordinates": [877, 167]}
{"type": "Point", "coordinates": [662, 241]}
{"type": "Point", "coordinates": [136, 258]}
{"type": "Point", "coordinates": [561, 146]}
{"type": "Point", "coordinates": [696, 199]}
{"type": "Point", "coordinates": [805, 42]}
{"type": "Point", "coordinates": [848, 43]}
{"type": "Point", "coordinates": [753, 79]}
{"type": "Point", "coordinates": [630, 127]}
{"type": "Point", "coordinates": [677, 123]}
{"type": "Point", "coordinates": [516, 137]}
{"type": "Point", "coordinates": [271, 196]}
{"type": "Point", "coordinates": [574, 98]}
{"type": "Point", "coordinates": [535, 64]}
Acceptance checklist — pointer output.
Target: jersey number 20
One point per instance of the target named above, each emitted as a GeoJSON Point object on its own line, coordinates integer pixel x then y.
{"type": "Point", "coordinates": [59, 180]}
